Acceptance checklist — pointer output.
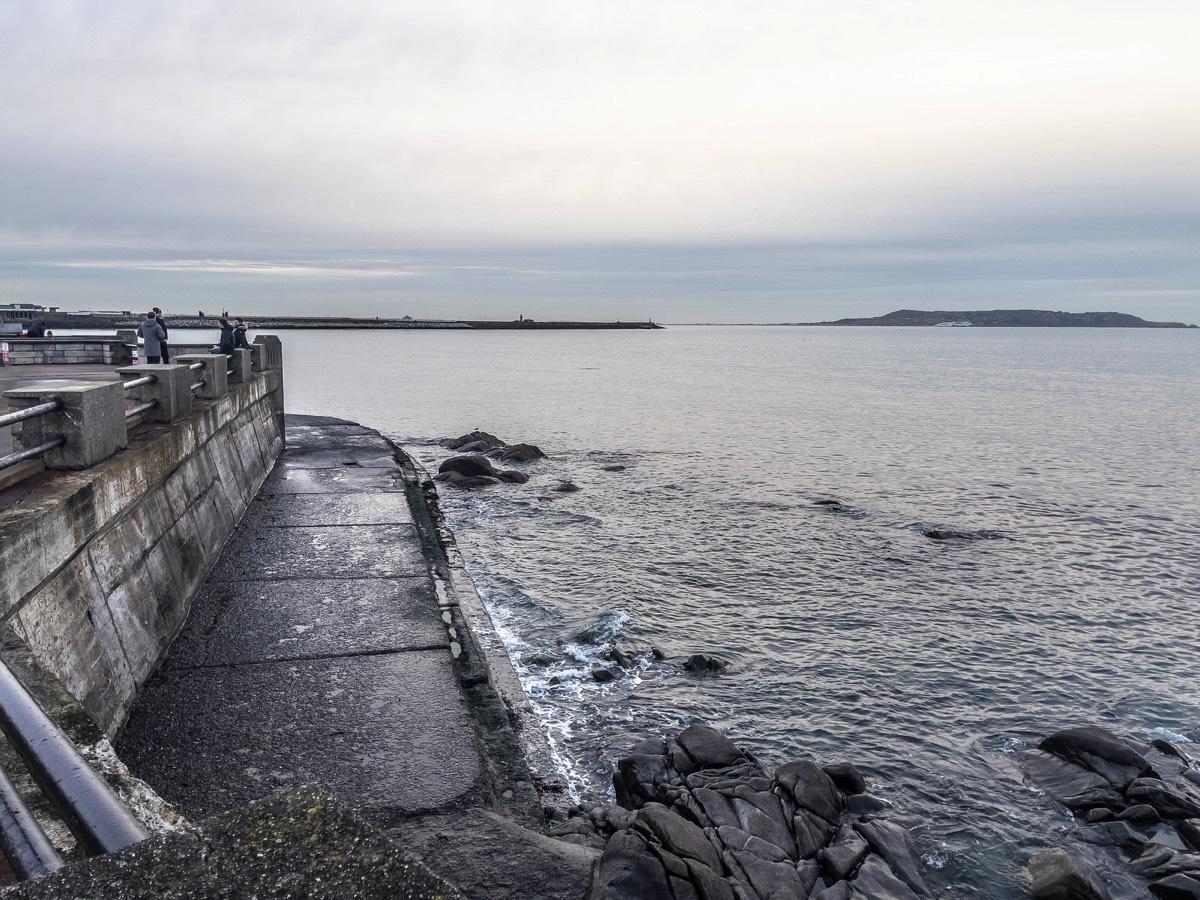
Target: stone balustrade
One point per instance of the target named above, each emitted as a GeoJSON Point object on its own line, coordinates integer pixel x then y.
{"type": "Point", "coordinates": [92, 416]}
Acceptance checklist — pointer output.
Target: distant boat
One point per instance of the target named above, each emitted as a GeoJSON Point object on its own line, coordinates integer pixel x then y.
{"type": "Point", "coordinates": [953, 325]}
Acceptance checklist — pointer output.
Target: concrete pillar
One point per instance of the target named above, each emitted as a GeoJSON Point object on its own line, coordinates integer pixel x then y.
{"type": "Point", "coordinates": [240, 363]}
{"type": "Point", "coordinates": [172, 388]}
{"type": "Point", "coordinates": [122, 351]}
{"type": "Point", "coordinates": [214, 373]}
{"type": "Point", "coordinates": [271, 355]}
{"type": "Point", "coordinates": [92, 420]}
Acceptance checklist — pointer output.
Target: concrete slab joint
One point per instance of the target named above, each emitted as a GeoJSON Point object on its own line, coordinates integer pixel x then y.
{"type": "Point", "coordinates": [92, 420]}
{"type": "Point", "coordinates": [214, 374]}
{"type": "Point", "coordinates": [172, 388]}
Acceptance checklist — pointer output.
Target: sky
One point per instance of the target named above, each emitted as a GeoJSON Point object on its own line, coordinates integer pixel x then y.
{"type": "Point", "coordinates": [692, 161]}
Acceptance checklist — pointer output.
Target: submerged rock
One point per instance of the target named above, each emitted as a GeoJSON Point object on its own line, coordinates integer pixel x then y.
{"type": "Point", "coordinates": [474, 440]}
{"type": "Point", "coordinates": [704, 664]}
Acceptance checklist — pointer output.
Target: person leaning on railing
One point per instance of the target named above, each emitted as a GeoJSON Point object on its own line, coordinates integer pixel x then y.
{"type": "Point", "coordinates": [239, 335]}
{"type": "Point", "coordinates": [227, 340]}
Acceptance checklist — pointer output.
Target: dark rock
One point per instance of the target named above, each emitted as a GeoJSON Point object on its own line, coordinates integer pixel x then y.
{"type": "Point", "coordinates": [1100, 814]}
{"type": "Point", "coordinates": [620, 818]}
{"type": "Point", "coordinates": [892, 843]}
{"type": "Point", "coordinates": [865, 805]}
{"type": "Point", "coordinates": [709, 885]}
{"type": "Point", "coordinates": [809, 871]}
{"type": "Point", "coordinates": [1177, 887]}
{"type": "Point", "coordinates": [520, 453]}
{"type": "Point", "coordinates": [637, 778]}
{"type": "Point", "coordinates": [566, 487]}
{"type": "Point", "coordinates": [1166, 767]}
{"type": "Point", "coordinates": [946, 534]}
{"type": "Point", "coordinates": [626, 659]}
{"type": "Point", "coordinates": [743, 842]}
{"type": "Point", "coordinates": [1114, 834]}
{"type": "Point", "coordinates": [1099, 751]}
{"type": "Point", "coordinates": [603, 675]}
{"type": "Point", "coordinates": [1068, 783]}
{"type": "Point", "coordinates": [541, 660]}
{"type": "Point", "coordinates": [839, 891]}
{"type": "Point", "coordinates": [474, 437]}
{"type": "Point", "coordinates": [1189, 832]}
{"type": "Point", "coordinates": [811, 789]}
{"type": "Point", "coordinates": [876, 881]}
{"type": "Point", "coordinates": [657, 654]}
{"type": "Point", "coordinates": [577, 825]}
{"type": "Point", "coordinates": [512, 476]}
{"type": "Point", "coordinates": [847, 778]}
{"type": "Point", "coordinates": [629, 875]}
{"type": "Point", "coordinates": [708, 748]}
{"type": "Point", "coordinates": [1155, 862]}
{"type": "Point", "coordinates": [614, 468]}
{"type": "Point", "coordinates": [649, 747]}
{"type": "Point", "coordinates": [469, 466]}
{"type": "Point", "coordinates": [554, 679]}
{"type": "Point", "coordinates": [703, 664]}
{"type": "Point", "coordinates": [717, 808]}
{"type": "Point", "coordinates": [811, 832]}
{"type": "Point", "coordinates": [1169, 803]}
{"type": "Point", "coordinates": [758, 823]}
{"type": "Point", "coordinates": [467, 481]}
{"type": "Point", "coordinates": [1140, 813]}
{"type": "Point", "coordinates": [774, 879]}
{"type": "Point", "coordinates": [1056, 875]}
{"type": "Point", "coordinates": [681, 889]}
{"type": "Point", "coordinates": [827, 503]}
{"type": "Point", "coordinates": [841, 858]}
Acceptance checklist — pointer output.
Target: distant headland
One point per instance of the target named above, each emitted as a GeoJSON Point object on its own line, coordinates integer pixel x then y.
{"type": "Point", "coordinates": [1008, 318]}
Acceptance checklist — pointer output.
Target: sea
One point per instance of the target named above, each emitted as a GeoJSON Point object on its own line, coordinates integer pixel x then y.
{"type": "Point", "coordinates": [920, 550]}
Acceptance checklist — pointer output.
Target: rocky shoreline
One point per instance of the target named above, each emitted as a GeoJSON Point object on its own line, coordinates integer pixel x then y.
{"type": "Point", "coordinates": [696, 817]}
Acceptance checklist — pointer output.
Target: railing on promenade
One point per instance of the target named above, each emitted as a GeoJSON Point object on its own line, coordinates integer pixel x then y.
{"type": "Point", "coordinates": [76, 425]}
{"type": "Point", "coordinates": [95, 815]}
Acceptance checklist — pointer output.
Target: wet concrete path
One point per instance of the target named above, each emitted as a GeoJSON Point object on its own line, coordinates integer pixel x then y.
{"type": "Point", "coordinates": [316, 652]}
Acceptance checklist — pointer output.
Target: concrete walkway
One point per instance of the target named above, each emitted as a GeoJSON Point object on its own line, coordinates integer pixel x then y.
{"type": "Point", "coordinates": [323, 651]}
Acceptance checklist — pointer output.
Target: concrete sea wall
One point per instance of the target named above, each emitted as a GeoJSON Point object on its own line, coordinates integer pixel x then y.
{"type": "Point", "coordinates": [98, 567]}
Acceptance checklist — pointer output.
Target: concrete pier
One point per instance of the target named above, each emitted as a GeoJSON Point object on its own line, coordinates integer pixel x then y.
{"type": "Point", "coordinates": [324, 649]}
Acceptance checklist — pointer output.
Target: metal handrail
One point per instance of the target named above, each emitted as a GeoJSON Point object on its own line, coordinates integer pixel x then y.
{"type": "Point", "coordinates": [138, 382]}
{"type": "Point", "coordinates": [140, 408]}
{"type": "Point", "coordinates": [25, 845]}
{"type": "Point", "coordinates": [30, 452]}
{"type": "Point", "coordinates": [89, 807]}
{"type": "Point", "coordinates": [31, 412]}
{"type": "Point", "coordinates": [199, 384]}
{"type": "Point", "coordinates": [198, 365]}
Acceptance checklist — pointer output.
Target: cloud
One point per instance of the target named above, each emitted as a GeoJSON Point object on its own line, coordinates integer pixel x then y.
{"type": "Point", "coordinates": [251, 140]}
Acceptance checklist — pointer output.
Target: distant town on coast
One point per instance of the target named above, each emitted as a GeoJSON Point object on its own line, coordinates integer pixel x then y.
{"type": "Point", "coordinates": [15, 315]}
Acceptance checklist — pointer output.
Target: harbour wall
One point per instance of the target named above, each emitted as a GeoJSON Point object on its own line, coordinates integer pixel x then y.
{"type": "Point", "coordinates": [98, 566]}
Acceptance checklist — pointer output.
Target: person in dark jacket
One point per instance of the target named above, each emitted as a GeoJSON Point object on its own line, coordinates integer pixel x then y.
{"type": "Point", "coordinates": [226, 343]}
{"type": "Point", "coordinates": [239, 335]}
{"type": "Point", "coordinates": [166, 353]}
{"type": "Point", "coordinates": [152, 333]}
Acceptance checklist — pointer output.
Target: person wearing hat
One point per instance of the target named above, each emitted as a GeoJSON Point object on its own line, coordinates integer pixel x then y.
{"type": "Point", "coordinates": [166, 353]}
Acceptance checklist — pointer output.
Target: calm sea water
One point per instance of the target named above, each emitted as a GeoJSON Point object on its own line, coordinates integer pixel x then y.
{"type": "Point", "coordinates": [851, 635]}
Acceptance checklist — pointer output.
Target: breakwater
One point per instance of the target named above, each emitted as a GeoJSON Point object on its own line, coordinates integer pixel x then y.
{"type": "Point", "coordinates": [102, 552]}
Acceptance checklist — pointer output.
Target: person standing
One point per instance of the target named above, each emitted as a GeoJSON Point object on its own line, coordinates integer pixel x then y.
{"type": "Point", "coordinates": [239, 335]}
{"type": "Point", "coordinates": [166, 351]}
{"type": "Point", "coordinates": [152, 333]}
{"type": "Point", "coordinates": [226, 344]}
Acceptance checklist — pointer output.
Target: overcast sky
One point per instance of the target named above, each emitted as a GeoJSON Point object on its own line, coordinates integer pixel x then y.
{"type": "Point", "coordinates": [686, 161]}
